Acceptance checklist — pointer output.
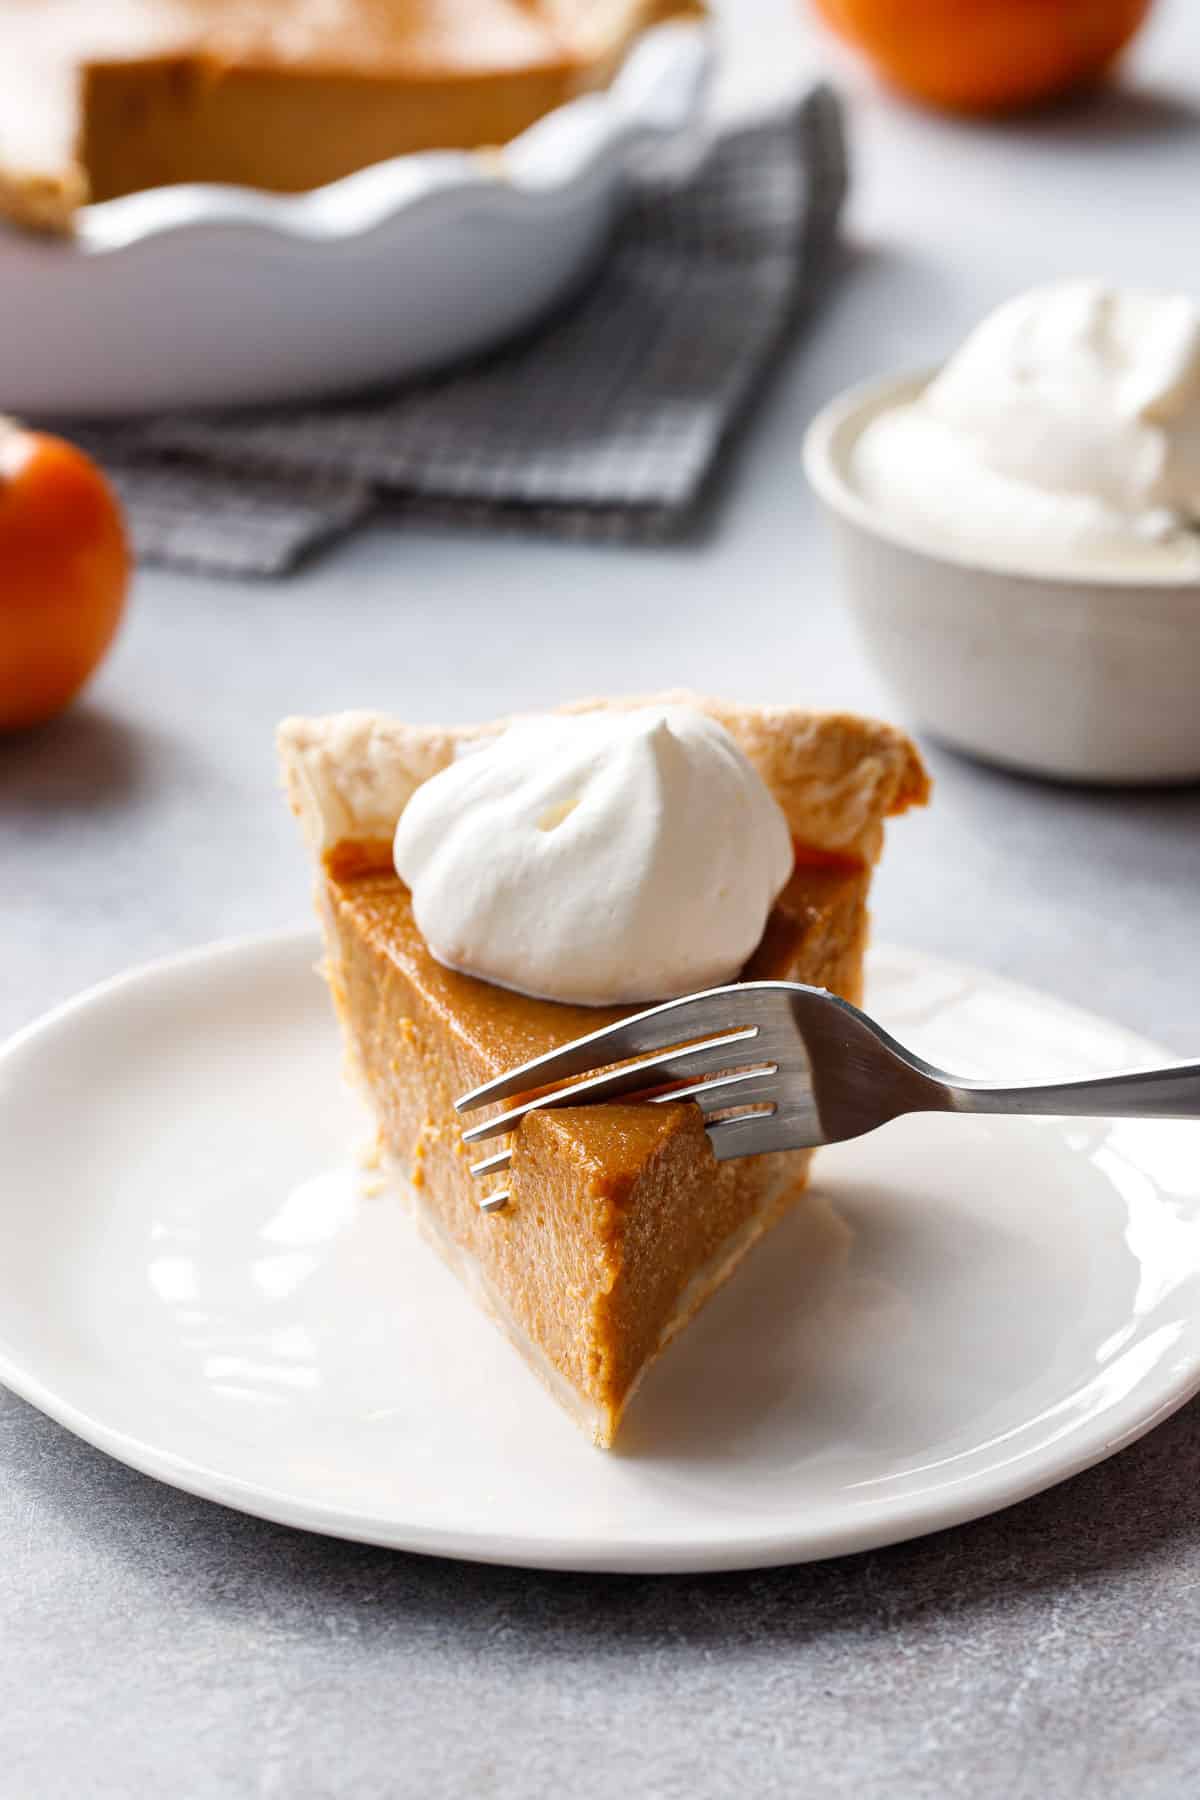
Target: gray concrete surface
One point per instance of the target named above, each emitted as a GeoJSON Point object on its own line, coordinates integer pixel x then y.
{"type": "Point", "coordinates": [153, 1643]}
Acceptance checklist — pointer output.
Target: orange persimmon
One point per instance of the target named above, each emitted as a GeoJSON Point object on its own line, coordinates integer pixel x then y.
{"type": "Point", "coordinates": [64, 572]}
{"type": "Point", "coordinates": [982, 56]}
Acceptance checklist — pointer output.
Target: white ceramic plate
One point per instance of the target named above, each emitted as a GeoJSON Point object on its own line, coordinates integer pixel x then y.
{"type": "Point", "coordinates": [194, 1279]}
{"type": "Point", "coordinates": [220, 296]}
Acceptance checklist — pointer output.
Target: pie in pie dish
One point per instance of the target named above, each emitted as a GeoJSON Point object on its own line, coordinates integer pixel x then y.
{"type": "Point", "coordinates": [106, 97]}
{"type": "Point", "coordinates": [621, 1222]}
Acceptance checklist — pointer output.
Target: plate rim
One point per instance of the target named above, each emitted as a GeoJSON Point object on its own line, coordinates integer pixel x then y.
{"type": "Point", "coordinates": [875, 1526]}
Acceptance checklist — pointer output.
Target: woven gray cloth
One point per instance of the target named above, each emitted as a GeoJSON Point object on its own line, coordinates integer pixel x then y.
{"type": "Point", "coordinates": [606, 421]}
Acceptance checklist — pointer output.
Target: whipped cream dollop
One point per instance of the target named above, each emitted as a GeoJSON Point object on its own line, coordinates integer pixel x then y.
{"type": "Point", "coordinates": [1064, 434]}
{"type": "Point", "coordinates": [599, 858]}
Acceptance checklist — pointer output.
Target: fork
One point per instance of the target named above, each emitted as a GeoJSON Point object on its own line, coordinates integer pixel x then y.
{"type": "Point", "coordinates": [774, 1065]}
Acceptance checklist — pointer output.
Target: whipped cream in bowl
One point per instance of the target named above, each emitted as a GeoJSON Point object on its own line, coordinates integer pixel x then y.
{"type": "Point", "coordinates": [1063, 435]}
{"type": "Point", "coordinates": [1019, 533]}
{"type": "Point", "coordinates": [598, 858]}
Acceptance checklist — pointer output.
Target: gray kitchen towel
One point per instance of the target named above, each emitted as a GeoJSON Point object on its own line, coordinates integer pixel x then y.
{"type": "Point", "coordinates": [604, 422]}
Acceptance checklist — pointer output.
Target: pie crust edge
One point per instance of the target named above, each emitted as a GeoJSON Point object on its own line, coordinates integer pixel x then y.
{"type": "Point", "coordinates": [349, 776]}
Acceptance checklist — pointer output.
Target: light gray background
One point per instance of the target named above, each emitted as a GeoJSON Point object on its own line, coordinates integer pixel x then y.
{"type": "Point", "coordinates": [152, 1642]}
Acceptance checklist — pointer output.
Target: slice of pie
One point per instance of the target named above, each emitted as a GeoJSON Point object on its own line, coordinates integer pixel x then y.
{"type": "Point", "coordinates": [105, 97]}
{"type": "Point", "coordinates": [621, 1223]}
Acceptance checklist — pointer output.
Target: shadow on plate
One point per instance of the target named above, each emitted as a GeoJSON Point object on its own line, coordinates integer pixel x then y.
{"type": "Point", "coordinates": [815, 1315]}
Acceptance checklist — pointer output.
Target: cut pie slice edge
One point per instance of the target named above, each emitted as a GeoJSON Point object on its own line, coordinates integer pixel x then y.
{"type": "Point", "coordinates": [621, 1223]}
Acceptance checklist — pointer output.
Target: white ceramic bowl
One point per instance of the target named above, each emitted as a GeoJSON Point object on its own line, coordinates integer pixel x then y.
{"type": "Point", "coordinates": [197, 296]}
{"type": "Point", "coordinates": [1083, 678]}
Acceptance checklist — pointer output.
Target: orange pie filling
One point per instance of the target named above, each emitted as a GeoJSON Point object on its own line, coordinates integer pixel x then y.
{"type": "Point", "coordinates": [621, 1221]}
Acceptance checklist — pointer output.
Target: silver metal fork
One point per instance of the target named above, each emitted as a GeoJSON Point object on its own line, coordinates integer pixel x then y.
{"type": "Point", "coordinates": [774, 1065]}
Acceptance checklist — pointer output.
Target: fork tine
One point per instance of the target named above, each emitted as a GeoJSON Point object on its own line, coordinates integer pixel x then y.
{"type": "Point", "coordinates": [492, 1165]}
{"type": "Point", "coordinates": [745, 1087]}
{"type": "Point", "coordinates": [746, 1135]}
{"type": "Point", "coordinates": [676, 1064]}
{"type": "Point", "coordinates": [657, 1028]}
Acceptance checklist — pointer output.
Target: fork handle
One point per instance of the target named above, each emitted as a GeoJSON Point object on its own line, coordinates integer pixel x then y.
{"type": "Point", "coordinates": [1170, 1093]}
